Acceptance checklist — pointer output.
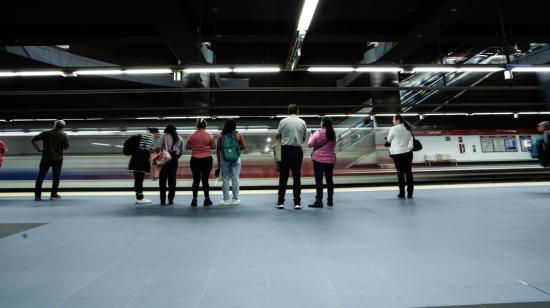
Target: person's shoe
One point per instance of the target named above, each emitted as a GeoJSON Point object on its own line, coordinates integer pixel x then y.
{"type": "Point", "coordinates": [37, 199]}
{"type": "Point", "coordinates": [225, 202]}
{"type": "Point", "coordinates": [297, 207]}
{"type": "Point", "coordinates": [143, 201]}
{"type": "Point", "coordinates": [194, 202]}
{"type": "Point", "coordinates": [409, 196]}
{"type": "Point", "coordinates": [170, 202]}
{"type": "Point", "coordinates": [401, 196]}
{"type": "Point", "coordinates": [235, 201]}
{"type": "Point", "coordinates": [329, 202]}
{"type": "Point", "coordinates": [162, 203]}
{"type": "Point", "coordinates": [280, 205]}
{"type": "Point", "coordinates": [55, 197]}
{"type": "Point", "coordinates": [316, 204]}
{"type": "Point", "coordinates": [207, 202]}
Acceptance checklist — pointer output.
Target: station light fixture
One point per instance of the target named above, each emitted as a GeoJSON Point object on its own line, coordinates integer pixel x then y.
{"type": "Point", "coordinates": [433, 69]}
{"type": "Point", "coordinates": [148, 71]}
{"type": "Point", "coordinates": [308, 10]}
{"type": "Point", "coordinates": [480, 69]}
{"type": "Point", "coordinates": [200, 70]}
{"type": "Point", "coordinates": [31, 73]}
{"type": "Point", "coordinates": [99, 72]}
{"type": "Point", "coordinates": [379, 69]}
{"type": "Point", "coordinates": [257, 69]}
{"type": "Point", "coordinates": [531, 69]}
{"type": "Point", "coordinates": [330, 69]}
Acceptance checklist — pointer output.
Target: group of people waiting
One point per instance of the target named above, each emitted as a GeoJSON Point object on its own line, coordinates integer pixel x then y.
{"type": "Point", "coordinates": [159, 154]}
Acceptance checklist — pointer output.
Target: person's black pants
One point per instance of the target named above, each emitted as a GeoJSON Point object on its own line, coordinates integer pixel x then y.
{"type": "Point", "coordinates": [327, 169]}
{"type": "Point", "coordinates": [139, 176]}
{"type": "Point", "coordinates": [168, 173]}
{"type": "Point", "coordinates": [403, 164]}
{"type": "Point", "coordinates": [291, 159]}
{"type": "Point", "coordinates": [201, 168]}
{"type": "Point", "coordinates": [56, 173]}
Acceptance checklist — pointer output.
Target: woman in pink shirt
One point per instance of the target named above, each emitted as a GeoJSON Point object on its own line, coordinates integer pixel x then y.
{"type": "Point", "coordinates": [3, 151]}
{"type": "Point", "coordinates": [201, 144]}
{"type": "Point", "coordinates": [323, 142]}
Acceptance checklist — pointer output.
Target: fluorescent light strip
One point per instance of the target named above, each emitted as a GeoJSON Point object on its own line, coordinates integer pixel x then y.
{"type": "Point", "coordinates": [207, 70]}
{"type": "Point", "coordinates": [8, 74]}
{"type": "Point", "coordinates": [374, 69]}
{"type": "Point", "coordinates": [100, 72]}
{"type": "Point", "coordinates": [308, 10]}
{"type": "Point", "coordinates": [227, 117]}
{"type": "Point", "coordinates": [480, 69]}
{"type": "Point", "coordinates": [147, 71]}
{"type": "Point", "coordinates": [446, 114]}
{"type": "Point", "coordinates": [300, 115]}
{"type": "Point", "coordinates": [531, 69]}
{"type": "Point", "coordinates": [492, 113]}
{"type": "Point", "coordinates": [332, 69]}
{"type": "Point", "coordinates": [39, 73]}
{"type": "Point", "coordinates": [258, 69]}
{"type": "Point", "coordinates": [434, 69]}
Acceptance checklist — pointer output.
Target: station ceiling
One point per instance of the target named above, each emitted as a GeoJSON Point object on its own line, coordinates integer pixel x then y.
{"type": "Point", "coordinates": [169, 32]}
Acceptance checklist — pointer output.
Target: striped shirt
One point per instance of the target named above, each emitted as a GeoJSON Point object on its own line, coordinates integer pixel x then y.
{"type": "Point", "coordinates": [147, 141]}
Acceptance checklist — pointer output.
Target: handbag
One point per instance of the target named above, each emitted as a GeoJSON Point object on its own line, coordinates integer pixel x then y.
{"type": "Point", "coordinates": [417, 146]}
{"type": "Point", "coordinates": [164, 157]}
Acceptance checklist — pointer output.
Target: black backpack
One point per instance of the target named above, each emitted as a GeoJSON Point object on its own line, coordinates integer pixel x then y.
{"type": "Point", "coordinates": [131, 145]}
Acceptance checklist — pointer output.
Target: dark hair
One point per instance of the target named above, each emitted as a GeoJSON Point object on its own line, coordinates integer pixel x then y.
{"type": "Point", "coordinates": [293, 109]}
{"type": "Point", "coordinates": [153, 130]}
{"type": "Point", "coordinates": [229, 127]}
{"type": "Point", "coordinates": [400, 119]}
{"type": "Point", "coordinates": [201, 123]}
{"type": "Point", "coordinates": [171, 129]}
{"type": "Point", "coordinates": [327, 124]}
{"type": "Point", "coordinates": [59, 124]}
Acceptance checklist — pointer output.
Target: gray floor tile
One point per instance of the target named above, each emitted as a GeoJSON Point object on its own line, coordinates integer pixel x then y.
{"type": "Point", "coordinates": [235, 302]}
{"type": "Point", "coordinates": [306, 301]}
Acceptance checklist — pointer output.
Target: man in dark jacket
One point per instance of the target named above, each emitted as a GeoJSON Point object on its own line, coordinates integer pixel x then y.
{"type": "Point", "coordinates": [140, 164]}
{"type": "Point", "coordinates": [54, 142]}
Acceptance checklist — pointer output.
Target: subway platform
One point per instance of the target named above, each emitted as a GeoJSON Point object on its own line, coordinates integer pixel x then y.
{"type": "Point", "coordinates": [451, 245]}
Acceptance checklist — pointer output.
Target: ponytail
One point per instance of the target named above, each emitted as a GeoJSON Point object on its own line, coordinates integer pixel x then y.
{"type": "Point", "coordinates": [405, 123]}
{"type": "Point", "coordinates": [327, 124]}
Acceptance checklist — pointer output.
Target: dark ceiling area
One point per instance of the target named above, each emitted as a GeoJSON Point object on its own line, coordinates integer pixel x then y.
{"type": "Point", "coordinates": [171, 33]}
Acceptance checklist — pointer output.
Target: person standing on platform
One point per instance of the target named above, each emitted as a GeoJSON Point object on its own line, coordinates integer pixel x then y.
{"type": "Point", "coordinates": [173, 143]}
{"type": "Point", "coordinates": [400, 140]}
{"type": "Point", "coordinates": [3, 151]}
{"type": "Point", "coordinates": [323, 142]}
{"type": "Point", "coordinates": [139, 163]}
{"type": "Point", "coordinates": [228, 153]}
{"type": "Point", "coordinates": [292, 132]}
{"type": "Point", "coordinates": [54, 142]}
{"type": "Point", "coordinates": [201, 143]}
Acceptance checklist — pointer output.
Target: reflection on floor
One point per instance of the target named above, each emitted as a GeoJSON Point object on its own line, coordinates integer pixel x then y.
{"type": "Point", "coordinates": [451, 246]}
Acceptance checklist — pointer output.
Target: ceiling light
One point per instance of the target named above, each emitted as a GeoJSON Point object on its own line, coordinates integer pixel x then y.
{"type": "Point", "coordinates": [480, 69]}
{"type": "Point", "coordinates": [531, 69]}
{"type": "Point", "coordinates": [492, 113]}
{"type": "Point", "coordinates": [333, 69]}
{"type": "Point", "coordinates": [447, 114]}
{"type": "Point", "coordinates": [40, 73]}
{"type": "Point", "coordinates": [100, 72]}
{"type": "Point", "coordinates": [380, 69]}
{"type": "Point", "coordinates": [307, 14]}
{"type": "Point", "coordinates": [257, 69]}
{"type": "Point", "coordinates": [508, 74]}
{"type": "Point", "coordinates": [146, 71]}
{"type": "Point", "coordinates": [8, 74]}
{"type": "Point", "coordinates": [200, 70]}
{"type": "Point", "coordinates": [434, 69]}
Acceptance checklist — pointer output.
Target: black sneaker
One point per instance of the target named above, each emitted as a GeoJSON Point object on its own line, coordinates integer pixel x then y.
{"type": "Point", "coordinates": [171, 202]}
{"type": "Point", "coordinates": [330, 203]}
{"type": "Point", "coordinates": [194, 202]}
{"type": "Point", "coordinates": [207, 202]}
{"type": "Point", "coordinates": [55, 197]}
{"type": "Point", "coordinates": [401, 196]}
{"type": "Point", "coordinates": [37, 199]}
{"type": "Point", "coordinates": [316, 204]}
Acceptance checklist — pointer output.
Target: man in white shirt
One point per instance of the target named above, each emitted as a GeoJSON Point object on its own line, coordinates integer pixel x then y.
{"type": "Point", "coordinates": [292, 132]}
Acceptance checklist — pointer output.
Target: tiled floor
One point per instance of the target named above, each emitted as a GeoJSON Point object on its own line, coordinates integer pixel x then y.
{"type": "Point", "coordinates": [459, 246]}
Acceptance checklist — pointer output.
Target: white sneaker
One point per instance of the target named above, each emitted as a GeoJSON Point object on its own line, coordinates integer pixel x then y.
{"type": "Point", "coordinates": [280, 206]}
{"type": "Point", "coordinates": [235, 201]}
{"type": "Point", "coordinates": [225, 202]}
{"type": "Point", "coordinates": [297, 207]}
{"type": "Point", "coordinates": [144, 201]}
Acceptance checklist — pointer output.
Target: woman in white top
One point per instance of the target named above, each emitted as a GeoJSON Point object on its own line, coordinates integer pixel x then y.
{"type": "Point", "coordinates": [401, 145]}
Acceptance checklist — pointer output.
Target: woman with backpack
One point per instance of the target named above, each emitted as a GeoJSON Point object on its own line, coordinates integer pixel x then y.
{"type": "Point", "coordinates": [323, 142]}
{"type": "Point", "coordinates": [400, 141]}
{"type": "Point", "coordinates": [201, 144]}
{"type": "Point", "coordinates": [173, 144]}
{"type": "Point", "coordinates": [230, 144]}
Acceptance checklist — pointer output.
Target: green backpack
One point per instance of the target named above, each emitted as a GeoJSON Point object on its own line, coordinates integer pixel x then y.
{"type": "Point", "coordinates": [231, 149]}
